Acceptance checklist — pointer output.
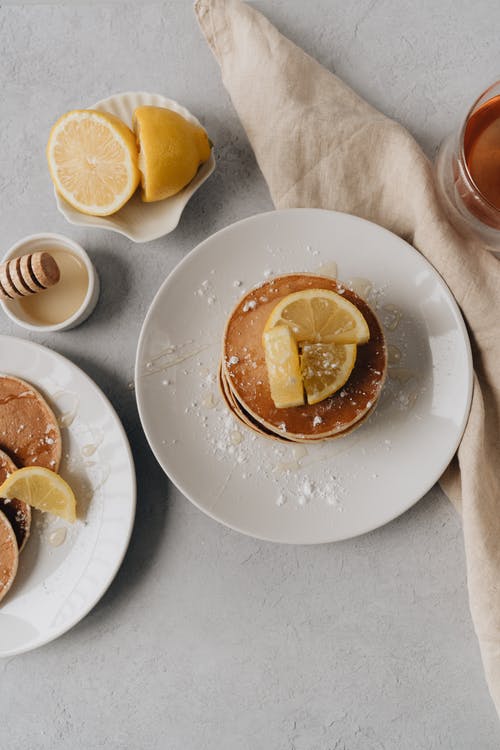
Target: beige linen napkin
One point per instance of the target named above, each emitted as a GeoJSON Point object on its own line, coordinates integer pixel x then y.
{"type": "Point", "coordinates": [318, 144]}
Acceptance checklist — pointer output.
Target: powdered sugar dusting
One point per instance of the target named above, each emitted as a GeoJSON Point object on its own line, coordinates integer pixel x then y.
{"type": "Point", "coordinates": [300, 478]}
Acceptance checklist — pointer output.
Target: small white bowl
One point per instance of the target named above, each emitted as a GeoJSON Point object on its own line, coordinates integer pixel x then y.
{"type": "Point", "coordinates": [141, 222]}
{"type": "Point", "coordinates": [49, 241]}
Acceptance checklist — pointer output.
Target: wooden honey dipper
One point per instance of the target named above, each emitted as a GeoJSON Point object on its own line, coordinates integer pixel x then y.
{"type": "Point", "coordinates": [29, 274]}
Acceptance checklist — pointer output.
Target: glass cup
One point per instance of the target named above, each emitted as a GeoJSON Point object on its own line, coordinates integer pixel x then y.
{"type": "Point", "coordinates": [464, 203]}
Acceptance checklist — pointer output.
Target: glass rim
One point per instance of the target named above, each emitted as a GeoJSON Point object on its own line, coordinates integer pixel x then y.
{"type": "Point", "coordinates": [468, 175]}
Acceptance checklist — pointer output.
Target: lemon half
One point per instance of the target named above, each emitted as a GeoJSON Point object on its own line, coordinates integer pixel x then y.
{"type": "Point", "coordinates": [93, 161]}
{"type": "Point", "coordinates": [170, 151]}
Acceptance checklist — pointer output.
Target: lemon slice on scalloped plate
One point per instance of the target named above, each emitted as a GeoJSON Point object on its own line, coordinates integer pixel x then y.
{"type": "Point", "coordinates": [42, 489]}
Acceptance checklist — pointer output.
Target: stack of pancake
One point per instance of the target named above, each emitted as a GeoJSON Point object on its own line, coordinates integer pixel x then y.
{"type": "Point", "coordinates": [29, 436]}
{"type": "Point", "coordinates": [244, 381]}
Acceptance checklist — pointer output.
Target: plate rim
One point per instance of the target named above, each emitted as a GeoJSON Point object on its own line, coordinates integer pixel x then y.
{"type": "Point", "coordinates": [199, 248]}
{"type": "Point", "coordinates": [94, 600]}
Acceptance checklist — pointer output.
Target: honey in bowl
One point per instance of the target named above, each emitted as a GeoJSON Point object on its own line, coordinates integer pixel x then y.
{"type": "Point", "coordinates": [60, 302]}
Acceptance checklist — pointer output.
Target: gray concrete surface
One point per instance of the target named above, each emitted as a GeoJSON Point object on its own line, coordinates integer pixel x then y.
{"type": "Point", "coordinates": [207, 639]}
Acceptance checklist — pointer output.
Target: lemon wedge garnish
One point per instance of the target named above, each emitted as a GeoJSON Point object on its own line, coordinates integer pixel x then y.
{"type": "Point", "coordinates": [326, 368]}
{"type": "Point", "coordinates": [42, 489]}
{"type": "Point", "coordinates": [93, 161]}
{"type": "Point", "coordinates": [283, 367]}
{"type": "Point", "coordinates": [320, 316]}
{"type": "Point", "coordinates": [170, 151]}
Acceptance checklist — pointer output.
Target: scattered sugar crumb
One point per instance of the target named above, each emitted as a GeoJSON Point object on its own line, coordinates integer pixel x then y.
{"type": "Point", "coordinates": [236, 437]}
{"type": "Point", "coordinates": [209, 401]}
{"type": "Point", "coordinates": [309, 249]}
{"type": "Point", "coordinates": [307, 488]}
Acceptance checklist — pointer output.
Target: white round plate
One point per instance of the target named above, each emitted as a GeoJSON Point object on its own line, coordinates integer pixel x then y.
{"type": "Point", "coordinates": [141, 222]}
{"type": "Point", "coordinates": [56, 586]}
{"type": "Point", "coordinates": [337, 489]}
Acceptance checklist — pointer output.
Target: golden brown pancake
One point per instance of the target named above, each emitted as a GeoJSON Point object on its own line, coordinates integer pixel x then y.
{"type": "Point", "coordinates": [239, 412]}
{"type": "Point", "coordinates": [7, 466]}
{"type": "Point", "coordinates": [246, 373]}
{"type": "Point", "coordinates": [17, 512]}
{"type": "Point", "coordinates": [9, 555]}
{"type": "Point", "coordinates": [29, 433]}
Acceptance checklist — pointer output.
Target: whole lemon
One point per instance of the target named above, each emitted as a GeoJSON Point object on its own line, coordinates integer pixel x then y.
{"type": "Point", "coordinates": [171, 150]}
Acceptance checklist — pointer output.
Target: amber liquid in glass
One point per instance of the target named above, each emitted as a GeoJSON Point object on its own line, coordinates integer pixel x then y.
{"type": "Point", "coordinates": [482, 150]}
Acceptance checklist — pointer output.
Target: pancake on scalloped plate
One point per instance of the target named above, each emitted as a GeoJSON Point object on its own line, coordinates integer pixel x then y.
{"type": "Point", "coordinates": [29, 432]}
{"type": "Point", "coordinates": [245, 377]}
{"type": "Point", "coordinates": [9, 555]}
{"type": "Point", "coordinates": [29, 436]}
{"type": "Point", "coordinates": [17, 512]}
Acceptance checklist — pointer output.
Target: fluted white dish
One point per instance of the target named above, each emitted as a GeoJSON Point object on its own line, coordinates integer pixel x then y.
{"type": "Point", "coordinates": [141, 222]}
{"type": "Point", "coordinates": [56, 586]}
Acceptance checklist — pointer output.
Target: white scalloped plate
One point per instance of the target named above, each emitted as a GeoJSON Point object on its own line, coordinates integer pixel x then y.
{"type": "Point", "coordinates": [56, 586]}
{"type": "Point", "coordinates": [334, 489]}
{"type": "Point", "coordinates": [141, 222]}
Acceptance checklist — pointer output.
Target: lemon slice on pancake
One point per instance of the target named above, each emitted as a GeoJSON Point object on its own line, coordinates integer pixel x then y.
{"type": "Point", "coordinates": [42, 489]}
{"type": "Point", "coordinates": [320, 316]}
{"type": "Point", "coordinates": [283, 367]}
{"type": "Point", "coordinates": [326, 368]}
